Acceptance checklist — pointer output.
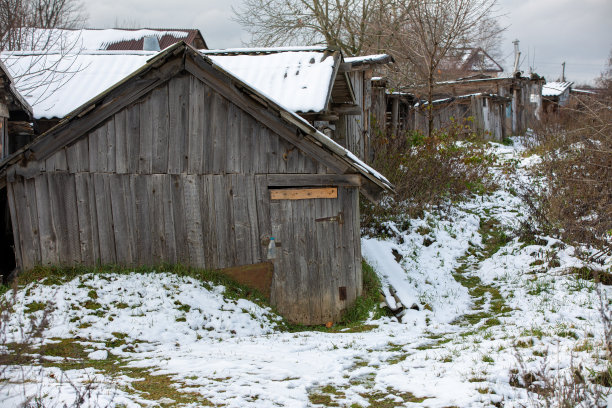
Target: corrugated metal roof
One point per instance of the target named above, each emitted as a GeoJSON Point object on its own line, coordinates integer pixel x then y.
{"type": "Point", "coordinates": [56, 84]}
{"type": "Point", "coordinates": [299, 79]}
{"type": "Point", "coordinates": [555, 88]}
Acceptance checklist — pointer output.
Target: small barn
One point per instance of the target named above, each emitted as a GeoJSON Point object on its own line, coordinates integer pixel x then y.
{"type": "Point", "coordinates": [555, 94]}
{"type": "Point", "coordinates": [182, 162]}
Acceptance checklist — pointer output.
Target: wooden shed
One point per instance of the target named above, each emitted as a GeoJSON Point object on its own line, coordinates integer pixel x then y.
{"type": "Point", "coordinates": [183, 163]}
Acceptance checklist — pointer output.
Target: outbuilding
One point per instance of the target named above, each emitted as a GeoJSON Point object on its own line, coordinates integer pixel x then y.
{"type": "Point", "coordinates": [181, 162]}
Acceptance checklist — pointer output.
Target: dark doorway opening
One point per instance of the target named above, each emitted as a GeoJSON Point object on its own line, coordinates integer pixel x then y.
{"type": "Point", "coordinates": [7, 252]}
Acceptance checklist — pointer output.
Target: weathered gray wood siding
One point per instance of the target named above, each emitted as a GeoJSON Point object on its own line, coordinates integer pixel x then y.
{"type": "Point", "coordinates": [356, 128]}
{"type": "Point", "coordinates": [181, 176]}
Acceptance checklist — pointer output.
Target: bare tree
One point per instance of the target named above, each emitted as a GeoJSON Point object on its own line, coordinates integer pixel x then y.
{"type": "Point", "coordinates": [431, 30]}
{"type": "Point", "coordinates": [342, 24]}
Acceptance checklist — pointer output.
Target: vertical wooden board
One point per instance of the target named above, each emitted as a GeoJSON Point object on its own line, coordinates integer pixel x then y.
{"type": "Point", "coordinates": [218, 134]}
{"type": "Point", "coordinates": [357, 240]}
{"type": "Point", "coordinates": [209, 221]}
{"type": "Point", "coordinates": [132, 137]}
{"type": "Point", "coordinates": [254, 243]}
{"type": "Point", "coordinates": [93, 214]}
{"type": "Point", "coordinates": [224, 221]}
{"type": "Point", "coordinates": [145, 165]}
{"type": "Point", "coordinates": [290, 271]}
{"type": "Point", "coordinates": [233, 140]}
{"type": "Point", "coordinates": [72, 158]}
{"type": "Point", "coordinates": [178, 219]}
{"type": "Point", "coordinates": [197, 119]}
{"type": "Point", "coordinates": [312, 256]}
{"type": "Point", "coordinates": [102, 148]}
{"type": "Point", "coordinates": [140, 197]}
{"type": "Point", "coordinates": [111, 148]}
{"type": "Point", "coordinates": [59, 216]}
{"type": "Point", "coordinates": [241, 223]}
{"type": "Point", "coordinates": [121, 142]}
{"type": "Point", "coordinates": [324, 242]}
{"type": "Point", "coordinates": [301, 304]}
{"type": "Point", "coordinates": [13, 203]}
{"type": "Point", "coordinates": [274, 158]}
{"type": "Point", "coordinates": [120, 219]}
{"type": "Point", "coordinates": [31, 206]}
{"type": "Point", "coordinates": [261, 148]}
{"type": "Point", "coordinates": [130, 206]}
{"type": "Point", "coordinates": [245, 146]}
{"type": "Point", "coordinates": [193, 220]}
{"type": "Point", "coordinates": [104, 219]}
{"type": "Point", "coordinates": [156, 219]}
{"type": "Point", "coordinates": [68, 186]}
{"type": "Point", "coordinates": [345, 198]}
{"type": "Point", "coordinates": [25, 238]}
{"type": "Point", "coordinates": [262, 202]}
{"type": "Point", "coordinates": [279, 293]}
{"type": "Point", "coordinates": [206, 101]}
{"type": "Point", "coordinates": [170, 249]}
{"type": "Point", "coordinates": [86, 241]}
{"type": "Point", "coordinates": [178, 136]}
{"type": "Point", "coordinates": [159, 99]}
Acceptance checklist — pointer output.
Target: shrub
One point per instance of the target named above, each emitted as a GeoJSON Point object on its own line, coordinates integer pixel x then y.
{"type": "Point", "coordinates": [427, 171]}
{"type": "Point", "coordinates": [575, 202]}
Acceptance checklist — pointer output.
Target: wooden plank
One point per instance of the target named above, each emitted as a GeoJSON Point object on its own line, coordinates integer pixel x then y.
{"type": "Point", "coordinates": [197, 119]}
{"type": "Point", "coordinates": [233, 139]}
{"type": "Point", "coordinates": [209, 221]}
{"type": "Point", "coordinates": [263, 214]}
{"type": "Point", "coordinates": [218, 132]}
{"type": "Point", "coordinates": [102, 149]}
{"type": "Point", "coordinates": [145, 165]}
{"type": "Point", "coordinates": [104, 219]}
{"type": "Point", "coordinates": [120, 219]}
{"type": "Point", "coordinates": [13, 205]}
{"type": "Point", "coordinates": [121, 142]}
{"type": "Point", "coordinates": [303, 193]}
{"type": "Point", "coordinates": [86, 241]}
{"type": "Point", "coordinates": [312, 256]}
{"type": "Point", "coordinates": [140, 196]}
{"type": "Point", "coordinates": [224, 221]}
{"type": "Point", "coordinates": [160, 129]}
{"type": "Point", "coordinates": [133, 138]}
{"type": "Point", "coordinates": [25, 238]}
{"type": "Point", "coordinates": [325, 253]}
{"type": "Point", "coordinates": [193, 218]}
{"type": "Point", "coordinates": [304, 180]}
{"type": "Point", "coordinates": [156, 219]}
{"type": "Point", "coordinates": [170, 250]}
{"type": "Point", "coordinates": [92, 149]}
{"type": "Point", "coordinates": [247, 164]}
{"type": "Point", "coordinates": [93, 214]}
{"type": "Point", "coordinates": [302, 293]}
{"type": "Point", "coordinates": [31, 206]}
{"type": "Point", "coordinates": [178, 219]}
{"type": "Point", "coordinates": [254, 243]}
{"type": "Point", "coordinates": [111, 148]}
{"type": "Point", "coordinates": [350, 268]}
{"type": "Point", "coordinates": [178, 137]}
{"type": "Point", "coordinates": [241, 224]}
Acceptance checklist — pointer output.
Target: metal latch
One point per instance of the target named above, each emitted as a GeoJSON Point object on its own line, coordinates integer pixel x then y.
{"type": "Point", "coordinates": [336, 218]}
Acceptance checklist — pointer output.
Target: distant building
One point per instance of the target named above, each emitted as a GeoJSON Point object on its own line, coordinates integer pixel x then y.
{"type": "Point", "coordinates": [462, 62]}
{"type": "Point", "coordinates": [555, 94]}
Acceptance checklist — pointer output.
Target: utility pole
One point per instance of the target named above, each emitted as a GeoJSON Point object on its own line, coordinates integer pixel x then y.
{"type": "Point", "coordinates": [563, 72]}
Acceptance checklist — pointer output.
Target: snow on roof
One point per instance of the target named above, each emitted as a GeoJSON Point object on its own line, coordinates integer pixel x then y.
{"type": "Point", "coordinates": [299, 79]}
{"type": "Point", "coordinates": [555, 88]}
{"type": "Point", "coordinates": [55, 84]}
{"type": "Point", "coordinates": [369, 59]}
{"type": "Point", "coordinates": [73, 41]}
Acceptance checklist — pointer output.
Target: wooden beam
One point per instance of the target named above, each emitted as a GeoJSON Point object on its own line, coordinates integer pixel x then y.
{"type": "Point", "coordinates": [303, 193]}
{"type": "Point", "coordinates": [304, 180]}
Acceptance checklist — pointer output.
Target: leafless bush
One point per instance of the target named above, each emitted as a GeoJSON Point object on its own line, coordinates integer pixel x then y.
{"type": "Point", "coordinates": [576, 149]}
{"type": "Point", "coordinates": [428, 171]}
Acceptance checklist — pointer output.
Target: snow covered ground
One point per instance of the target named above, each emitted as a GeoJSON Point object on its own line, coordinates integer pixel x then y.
{"type": "Point", "coordinates": [490, 309]}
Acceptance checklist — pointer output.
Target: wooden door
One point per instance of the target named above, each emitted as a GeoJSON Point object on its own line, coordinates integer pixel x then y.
{"type": "Point", "coordinates": [315, 267]}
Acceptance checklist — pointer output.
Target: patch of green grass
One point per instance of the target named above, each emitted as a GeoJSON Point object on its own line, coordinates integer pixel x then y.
{"type": "Point", "coordinates": [487, 359]}
{"type": "Point", "coordinates": [35, 307]}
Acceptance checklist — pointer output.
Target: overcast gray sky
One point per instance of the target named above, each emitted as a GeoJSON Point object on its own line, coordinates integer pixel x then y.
{"type": "Point", "coordinates": [578, 32]}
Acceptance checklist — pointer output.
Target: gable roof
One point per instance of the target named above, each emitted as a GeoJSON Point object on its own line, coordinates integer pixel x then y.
{"type": "Point", "coordinates": [301, 79]}
{"type": "Point", "coordinates": [92, 39]}
{"type": "Point", "coordinates": [163, 66]}
{"type": "Point", "coordinates": [304, 80]}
